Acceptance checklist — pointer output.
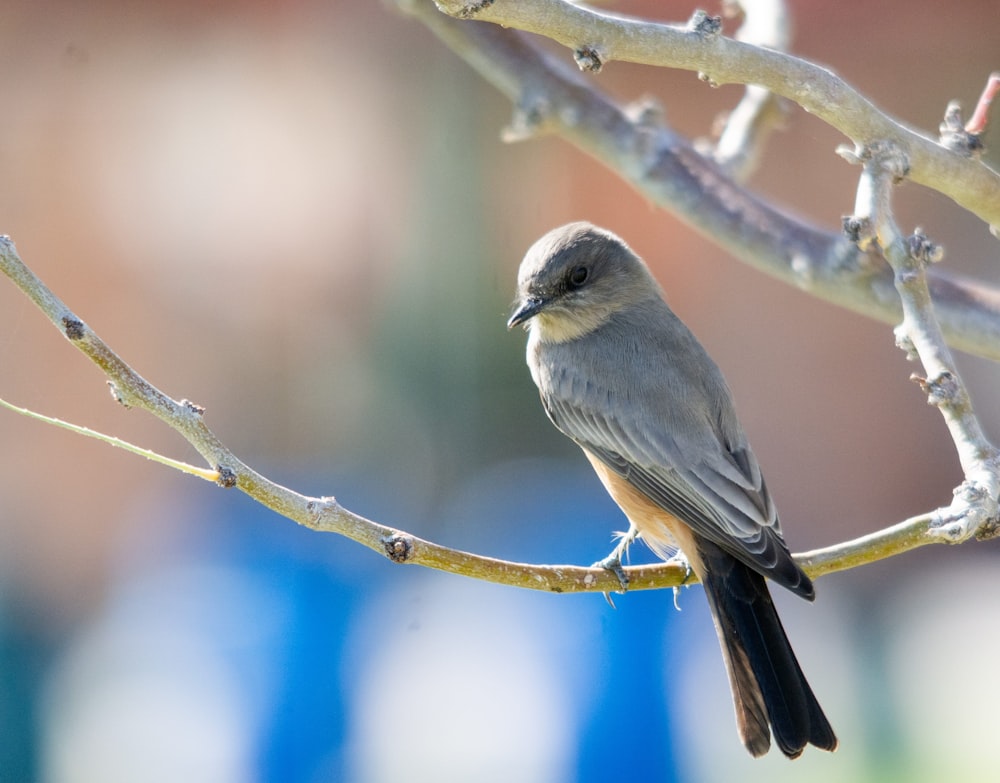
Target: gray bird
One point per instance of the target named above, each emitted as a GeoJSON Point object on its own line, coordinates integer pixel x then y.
{"type": "Point", "coordinates": [625, 379]}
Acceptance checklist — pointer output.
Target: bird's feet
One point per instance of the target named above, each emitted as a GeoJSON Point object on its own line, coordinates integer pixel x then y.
{"type": "Point", "coordinates": [613, 562]}
{"type": "Point", "coordinates": [681, 561]}
{"type": "Point", "coordinates": [678, 559]}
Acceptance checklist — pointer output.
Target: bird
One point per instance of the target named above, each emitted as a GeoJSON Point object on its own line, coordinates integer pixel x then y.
{"type": "Point", "coordinates": [623, 377]}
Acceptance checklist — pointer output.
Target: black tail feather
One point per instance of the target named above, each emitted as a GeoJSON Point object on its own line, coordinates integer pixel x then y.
{"type": "Point", "coordinates": [767, 682]}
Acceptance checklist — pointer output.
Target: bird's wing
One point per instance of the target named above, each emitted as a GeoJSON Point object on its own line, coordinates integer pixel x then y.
{"type": "Point", "coordinates": [708, 482]}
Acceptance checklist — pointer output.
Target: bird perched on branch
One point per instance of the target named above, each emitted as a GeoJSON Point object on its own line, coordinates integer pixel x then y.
{"type": "Point", "coordinates": [625, 379]}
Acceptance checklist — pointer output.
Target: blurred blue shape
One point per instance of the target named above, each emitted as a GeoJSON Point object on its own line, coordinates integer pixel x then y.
{"type": "Point", "coordinates": [315, 659]}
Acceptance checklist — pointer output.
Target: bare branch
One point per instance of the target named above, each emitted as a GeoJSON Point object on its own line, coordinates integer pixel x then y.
{"type": "Point", "coordinates": [723, 60]}
{"type": "Point", "coordinates": [974, 510]}
{"type": "Point", "coordinates": [765, 23]}
{"type": "Point", "coordinates": [551, 95]}
{"type": "Point", "coordinates": [118, 443]}
{"type": "Point", "coordinates": [326, 515]}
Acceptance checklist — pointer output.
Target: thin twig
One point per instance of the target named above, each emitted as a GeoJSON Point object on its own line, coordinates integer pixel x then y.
{"type": "Point", "coordinates": [183, 467]}
{"type": "Point", "coordinates": [981, 115]}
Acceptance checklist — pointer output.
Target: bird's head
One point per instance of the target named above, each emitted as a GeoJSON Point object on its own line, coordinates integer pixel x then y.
{"type": "Point", "coordinates": [574, 279]}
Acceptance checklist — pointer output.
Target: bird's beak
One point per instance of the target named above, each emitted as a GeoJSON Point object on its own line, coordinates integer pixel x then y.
{"type": "Point", "coordinates": [525, 310]}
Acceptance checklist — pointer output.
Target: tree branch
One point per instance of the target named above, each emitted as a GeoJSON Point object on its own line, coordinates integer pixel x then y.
{"type": "Point", "coordinates": [974, 510]}
{"type": "Point", "coordinates": [324, 514]}
{"type": "Point", "coordinates": [765, 23]}
{"type": "Point", "coordinates": [551, 95]}
{"type": "Point", "coordinates": [722, 60]}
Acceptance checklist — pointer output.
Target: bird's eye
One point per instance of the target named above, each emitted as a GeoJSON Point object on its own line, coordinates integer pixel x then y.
{"type": "Point", "coordinates": [577, 276]}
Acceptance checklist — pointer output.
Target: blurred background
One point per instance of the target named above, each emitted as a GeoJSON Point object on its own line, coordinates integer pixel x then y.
{"type": "Point", "coordinates": [300, 215]}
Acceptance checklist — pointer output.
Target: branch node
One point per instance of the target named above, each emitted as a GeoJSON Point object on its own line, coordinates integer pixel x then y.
{"type": "Point", "coordinates": [527, 121]}
{"type": "Point", "coordinates": [73, 327]}
{"type": "Point", "coordinates": [117, 395]}
{"type": "Point", "coordinates": [706, 26]}
{"type": "Point", "coordinates": [802, 268]}
{"type": "Point", "coordinates": [989, 529]}
{"type": "Point", "coordinates": [703, 76]}
{"type": "Point", "coordinates": [923, 250]}
{"type": "Point", "coordinates": [650, 133]}
{"type": "Point", "coordinates": [858, 230]}
{"type": "Point", "coordinates": [890, 158]}
{"type": "Point", "coordinates": [950, 528]}
{"type": "Point", "coordinates": [884, 153]}
{"type": "Point", "coordinates": [954, 135]}
{"type": "Point", "coordinates": [646, 112]}
{"type": "Point", "coordinates": [398, 547]}
{"type": "Point", "coordinates": [905, 343]}
{"type": "Point", "coordinates": [941, 390]}
{"type": "Point", "coordinates": [317, 507]}
{"type": "Point", "coordinates": [589, 59]}
{"type": "Point", "coordinates": [227, 477]}
{"type": "Point", "coordinates": [973, 512]}
{"type": "Point", "coordinates": [193, 407]}
{"type": "Point", "coordinates": [471, 10]}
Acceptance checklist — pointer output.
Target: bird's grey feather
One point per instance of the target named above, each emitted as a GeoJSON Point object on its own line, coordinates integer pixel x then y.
{"type": "Point", "coordinates": [694, 463]}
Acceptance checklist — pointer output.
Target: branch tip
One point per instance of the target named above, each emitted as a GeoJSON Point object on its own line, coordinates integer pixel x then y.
{"type": "Point", "coordinates": [976, 125]}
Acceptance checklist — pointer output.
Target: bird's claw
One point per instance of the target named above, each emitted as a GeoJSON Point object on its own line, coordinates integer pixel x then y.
{"type": "Point", "coordinates": [680, 560]}
{"type": "Point", "coordinates": [613, 562]}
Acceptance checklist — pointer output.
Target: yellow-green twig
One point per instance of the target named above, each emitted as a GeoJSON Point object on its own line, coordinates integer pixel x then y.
{"type": "Point", "coordinates": [184, 467]}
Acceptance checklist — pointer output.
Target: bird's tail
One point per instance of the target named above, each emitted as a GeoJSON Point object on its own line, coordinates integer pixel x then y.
{"type": "Point", "coordinates": [767, 683]}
